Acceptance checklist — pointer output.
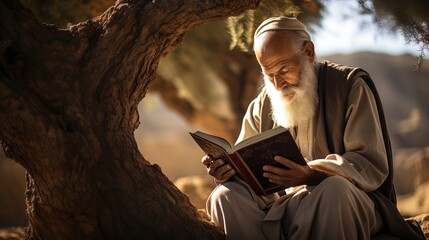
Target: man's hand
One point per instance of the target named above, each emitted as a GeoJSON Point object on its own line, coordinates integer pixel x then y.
{"type": "Point", "coordinates": [295, 175]}
{"type": "Point", "coordinates": [218, 169]}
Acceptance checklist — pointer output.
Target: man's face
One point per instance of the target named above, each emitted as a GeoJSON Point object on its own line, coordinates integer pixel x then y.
{"type": "Point", "coordinates": [279, 62]}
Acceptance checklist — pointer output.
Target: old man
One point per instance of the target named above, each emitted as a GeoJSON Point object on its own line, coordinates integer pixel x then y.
{"type": "Point", "coordinates": [335, 116]}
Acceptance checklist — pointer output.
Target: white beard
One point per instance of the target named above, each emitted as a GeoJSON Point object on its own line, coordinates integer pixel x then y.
{"type": "Point", "coordinates": [288, 113]}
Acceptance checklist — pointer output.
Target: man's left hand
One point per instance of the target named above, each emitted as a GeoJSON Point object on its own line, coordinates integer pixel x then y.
{"type": "Point", "coordinates": [295, 175]}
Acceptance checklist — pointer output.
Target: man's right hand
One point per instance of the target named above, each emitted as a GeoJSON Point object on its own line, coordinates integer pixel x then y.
{"type": "Point", "coordinates": [218, 169]}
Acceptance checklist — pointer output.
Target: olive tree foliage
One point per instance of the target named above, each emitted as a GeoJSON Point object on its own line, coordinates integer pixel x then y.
{"type": "Point", "coordinates": [242, 27]}
{"type": "Point", "coordinates": [409, 17]}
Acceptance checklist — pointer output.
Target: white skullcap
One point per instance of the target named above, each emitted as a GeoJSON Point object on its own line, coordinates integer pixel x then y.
{"type": "Point", "coordinates": [280, 24]}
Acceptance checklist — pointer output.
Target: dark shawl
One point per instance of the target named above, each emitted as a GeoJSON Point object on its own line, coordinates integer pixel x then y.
{"type": "Point", "coordinates": [331, 123]}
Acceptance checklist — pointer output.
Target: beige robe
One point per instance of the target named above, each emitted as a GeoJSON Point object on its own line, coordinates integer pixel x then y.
{"type": "Point", "coordinates": [305, 212]}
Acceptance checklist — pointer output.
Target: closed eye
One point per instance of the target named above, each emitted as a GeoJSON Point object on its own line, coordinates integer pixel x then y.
{"type": "Point", "coordinates": [283, 71]}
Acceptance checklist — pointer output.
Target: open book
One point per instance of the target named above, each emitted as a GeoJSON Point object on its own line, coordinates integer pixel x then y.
{"type": "Point", "coordinates": [249, 156]}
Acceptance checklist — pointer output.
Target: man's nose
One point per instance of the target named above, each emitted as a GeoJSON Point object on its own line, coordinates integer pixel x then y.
{"type": "Point", "coordinates": [279, 83]}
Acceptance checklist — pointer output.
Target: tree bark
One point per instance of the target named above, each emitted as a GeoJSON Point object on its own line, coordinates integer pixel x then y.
{"type": "Point", "coordinates": [68, 110]}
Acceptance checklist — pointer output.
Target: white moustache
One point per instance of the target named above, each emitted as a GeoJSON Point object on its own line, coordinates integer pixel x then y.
{"type": "Point", "coordinates": [292, 90]}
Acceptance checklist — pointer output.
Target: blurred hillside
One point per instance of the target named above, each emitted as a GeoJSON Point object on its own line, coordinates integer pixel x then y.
{"type": "Point", "coordinates": [163, 136]}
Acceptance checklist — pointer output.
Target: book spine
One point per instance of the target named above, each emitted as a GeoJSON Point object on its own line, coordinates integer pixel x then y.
{"type": "Point", "coordinates": [246, 173]}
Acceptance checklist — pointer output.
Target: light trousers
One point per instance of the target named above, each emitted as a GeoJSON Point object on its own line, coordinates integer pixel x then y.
{"type": "Point", "coordinates": [334, 209]}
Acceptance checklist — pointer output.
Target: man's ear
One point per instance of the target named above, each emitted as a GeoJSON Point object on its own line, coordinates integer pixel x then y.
{"type": "Point", "coordinates": [309, 50]}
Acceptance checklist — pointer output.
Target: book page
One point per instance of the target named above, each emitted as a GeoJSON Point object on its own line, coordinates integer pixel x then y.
{"type": "Point", "coordinates": [212, 149]}
{"type": "Point", "coordinates": [214, 139]}
{"type": "Point", "coordinates": [259, 137]}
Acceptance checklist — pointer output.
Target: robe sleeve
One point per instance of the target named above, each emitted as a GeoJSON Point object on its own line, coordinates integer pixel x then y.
{"type": "Point", "coordinates": [364, 162]}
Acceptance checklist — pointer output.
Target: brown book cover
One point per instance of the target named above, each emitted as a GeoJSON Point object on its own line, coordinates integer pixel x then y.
{"type": "Point", "coordinates": [248, 157]}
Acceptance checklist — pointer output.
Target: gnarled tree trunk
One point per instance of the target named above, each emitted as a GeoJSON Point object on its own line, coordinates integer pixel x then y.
{"type": "Point", "coordinates": [68, 110]}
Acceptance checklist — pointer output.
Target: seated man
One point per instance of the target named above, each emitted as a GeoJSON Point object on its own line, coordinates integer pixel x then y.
{"type": "Point", "coordinates": [335, 115]}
